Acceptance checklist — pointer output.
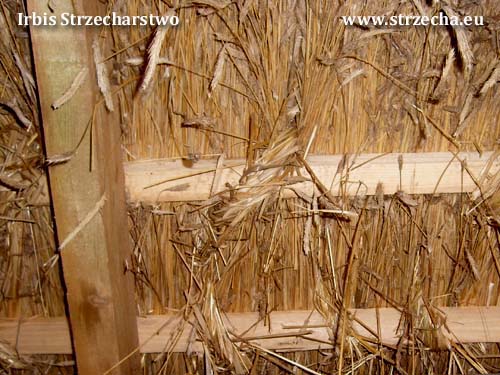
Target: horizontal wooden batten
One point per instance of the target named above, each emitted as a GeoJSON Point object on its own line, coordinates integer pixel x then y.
{"type": "Point", "coordinates": [289, 330]}
{"type": "Point", "coordinates": [413, 173]}
{"type": "Point", "coordinates": [167, 180]}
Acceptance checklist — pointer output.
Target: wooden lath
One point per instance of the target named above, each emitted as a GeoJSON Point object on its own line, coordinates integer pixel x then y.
{"type": "Point", "coordinates": [177, 180]}
{"type": "Point", "coordinates": [413, 173]}
{"type": "Point", "coordinates": [289, 330]}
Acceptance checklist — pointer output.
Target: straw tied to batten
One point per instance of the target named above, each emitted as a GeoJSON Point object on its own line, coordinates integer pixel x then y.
{"type": "Point", "coordinates": [112, 19]}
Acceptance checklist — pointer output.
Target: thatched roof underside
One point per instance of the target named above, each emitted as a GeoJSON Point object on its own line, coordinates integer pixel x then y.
{"type": "Point", "coordinates": [270, 81]}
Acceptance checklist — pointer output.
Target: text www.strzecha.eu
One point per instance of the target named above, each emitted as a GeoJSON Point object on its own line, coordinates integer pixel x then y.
{"type": "Point", "coordinates": [440, 19]}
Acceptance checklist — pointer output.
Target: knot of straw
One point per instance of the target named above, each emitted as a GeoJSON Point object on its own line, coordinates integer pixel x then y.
{"type": "Point", "coordinates": [263, 179]}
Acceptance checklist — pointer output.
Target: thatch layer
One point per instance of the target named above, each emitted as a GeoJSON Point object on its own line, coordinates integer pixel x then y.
{"type": "Point", "coordinates": [273, 81]}
{"type": "Point", "coordinates": [30, 275]}
{"type": "Point", "coordinates": [292, 64]}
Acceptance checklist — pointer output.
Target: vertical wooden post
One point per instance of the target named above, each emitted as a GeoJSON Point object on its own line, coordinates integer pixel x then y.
{"type": "Point", "coordinates": [99, 293]}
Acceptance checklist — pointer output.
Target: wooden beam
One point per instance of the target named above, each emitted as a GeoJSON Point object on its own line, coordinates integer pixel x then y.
{"type": "Point", "coordinates": [87, 194]}
{"type": "Point", "coordinates": [51, 335]}
{"type": "Point", "coordinates": [421, 173]}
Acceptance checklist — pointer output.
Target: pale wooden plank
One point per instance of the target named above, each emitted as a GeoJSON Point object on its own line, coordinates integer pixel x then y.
{"type": "Point", "coordinates": [100, 295]}
{"type": "Point", "coordinates": [474, 324]}
{"type": "Point", "coordinates": [37, 335]}
{"type": "Point", "coordinates": [421, 173]}
{"type": "Point", "coordinates": [51, 335]}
